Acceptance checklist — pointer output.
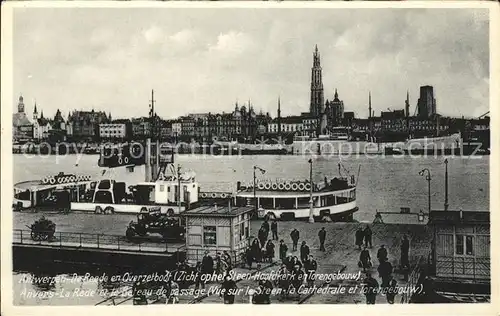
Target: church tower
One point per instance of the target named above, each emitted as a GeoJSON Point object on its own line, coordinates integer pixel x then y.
{"type": "Point", "coordinates": [20, 105]}
{"type": "Point", "coordinates": [316, 107]}
{"type": "Point", "coordinates": [35, 113]}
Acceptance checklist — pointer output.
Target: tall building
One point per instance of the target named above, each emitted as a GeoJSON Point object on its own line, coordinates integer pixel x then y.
{"type": "Point", "coordinates": [316, 107]}
{"type": "Point", "coordinates": [22, 129]}
{"type": "Point", "coordinates": [335, 110]}
{"type": "Point", "coordinates": [426, 102]}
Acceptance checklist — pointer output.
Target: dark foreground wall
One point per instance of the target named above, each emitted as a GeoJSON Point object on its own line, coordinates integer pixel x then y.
{"type": "Point", "coordinates": [26, 257]}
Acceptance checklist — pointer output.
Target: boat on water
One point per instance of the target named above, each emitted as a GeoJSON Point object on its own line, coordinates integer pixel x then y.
{"type": "Point", "coordinates": [332, 200]}
{"type": "Point", "coordinates": [452, 144]}
{"type": "Point", "coordinates": [168, 194]}
{"type": "Point", "coordinates": [53, 191]}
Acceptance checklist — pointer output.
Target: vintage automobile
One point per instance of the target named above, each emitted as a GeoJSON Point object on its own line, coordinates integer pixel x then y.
{"type": "Point", "coordinates": [154, 222]}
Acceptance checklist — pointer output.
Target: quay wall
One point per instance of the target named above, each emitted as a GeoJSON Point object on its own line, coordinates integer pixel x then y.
{"type": "Point", "coordinates": [28, 256]}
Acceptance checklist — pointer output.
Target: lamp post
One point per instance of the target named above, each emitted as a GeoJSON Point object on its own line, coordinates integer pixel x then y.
{"type": "Point", "coordinates": [311, 212]}
{"type": "Point", "coordinates": [446, 185]}
{"type": "Point", "coordinates": [179, 184]}
{"type": "Point", "coordinates": [255, 186]}
{"type": "Point", "coordinates": [427, 174]}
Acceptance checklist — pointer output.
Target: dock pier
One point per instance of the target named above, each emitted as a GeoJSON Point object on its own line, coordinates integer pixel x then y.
{"type": "Point", "coordinates": [95, 250]}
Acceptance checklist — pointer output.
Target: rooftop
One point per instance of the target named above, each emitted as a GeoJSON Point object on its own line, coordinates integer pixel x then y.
{"type": "Point", "coordinates": [217, 211]}
{"type": "Point", "coordinates": [459, 217]}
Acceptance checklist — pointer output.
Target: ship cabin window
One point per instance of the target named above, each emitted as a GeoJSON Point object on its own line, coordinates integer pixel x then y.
{"type": "Point", "coordinates": [266, 203]}
{"type": "Point", "coordinates": [285, 203]}
{"type": "Point", "coordinates": [303, 202]}
{"type": "Point", "coordinates": [327, 200]}
{"type": "Point", "coordinates": [209, 235]}
{"type": "Point", "coordinates": [342, 198]}
{"type": "Point", "coordinates": [162, 188]}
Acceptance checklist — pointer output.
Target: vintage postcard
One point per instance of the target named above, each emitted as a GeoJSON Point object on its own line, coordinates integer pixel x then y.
{"type": "Point", "coordinates": [247, 154]}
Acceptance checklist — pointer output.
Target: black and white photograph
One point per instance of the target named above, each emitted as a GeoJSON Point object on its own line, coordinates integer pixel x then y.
{"type": "Point", "coordinates": [247, 154]}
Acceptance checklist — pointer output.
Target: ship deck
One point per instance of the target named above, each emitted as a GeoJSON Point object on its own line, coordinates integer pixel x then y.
{"type": "Point", "coordinates": [34, 185]}
{"type": "Point", "coordinates": [287, 194]}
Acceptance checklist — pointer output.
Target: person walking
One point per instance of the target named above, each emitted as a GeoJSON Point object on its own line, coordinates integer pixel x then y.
{"type": "Point", "coordinates": [365, 259]}
{"type": "Point", "coordinates": [385, 273]}
{"type": "Point", "coordinates": [270, 250]}
{"type": "Point", "coordinates": [257, 252]}
{"type": "Point", "coordinates": [207, 265]}
{"type": "Point", "coordinates": [274, 230]}
{"type": "Point", "coordinates": [295, 235]}
{"type": "Point", "coordinates": [368, 236]}
{"type": "Point", "coordinates": [228, 289]}
{"type": "Point", "coordinates": [310, 267]}
{"type": "Point", "coordinates": [265, 225]}
{"type": "Point", "coordinates": [266, 228]}
{"type": "Point", "coordinates": [360, 235]}
{"type": "Point", "coordinates": [198, 274]}
{"type": "Point", "coordinates": [382, 254]}
{"type": "Point", "coordinates": [262, 236]}
{"type": "Point", "coordinates": [283, 250]}
{"type": "Point", "coordinates": [322, 237]}
{"type": "Point", "coordinates": [249, 256]}
{"type": "Point", "coordinates": [371, 289]}
{"type": "Point", "coordinates": [304, 251]}
{"type": "Point", "coordinates": [405, 248]}
{"type": "Point", "coordinates": [391, 291]}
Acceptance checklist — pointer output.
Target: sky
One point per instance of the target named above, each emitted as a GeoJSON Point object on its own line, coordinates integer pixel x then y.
{"type": "Point", "coordinates": [205, 59]}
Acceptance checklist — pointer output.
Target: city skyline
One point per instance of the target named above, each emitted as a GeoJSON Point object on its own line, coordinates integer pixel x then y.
{"type": "Point", "coordinates": [206, 65]}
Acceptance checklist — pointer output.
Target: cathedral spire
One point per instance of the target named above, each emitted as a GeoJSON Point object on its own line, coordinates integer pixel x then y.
{"type": "Point", "coordinates": [316, 106]}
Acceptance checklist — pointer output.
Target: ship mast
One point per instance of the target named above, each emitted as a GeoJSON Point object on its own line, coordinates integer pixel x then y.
{"type": "Point", "coordinates": [152, 144]}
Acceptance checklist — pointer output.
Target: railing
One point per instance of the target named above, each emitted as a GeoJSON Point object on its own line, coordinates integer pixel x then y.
{"type": "Point", "coordinates": [93, 241]}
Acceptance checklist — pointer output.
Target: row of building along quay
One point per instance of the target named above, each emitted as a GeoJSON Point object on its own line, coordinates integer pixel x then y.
{"type": "Point", "coordinates": [245, 124]}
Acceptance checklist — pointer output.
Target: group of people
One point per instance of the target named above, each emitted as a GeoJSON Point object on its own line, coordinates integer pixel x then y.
{"type": "Point", "coordinates": [262, 249]}
{"type": "Point", "coordinates": [388, 285]}
{"type": "Point", "coordinates": [208, 265]}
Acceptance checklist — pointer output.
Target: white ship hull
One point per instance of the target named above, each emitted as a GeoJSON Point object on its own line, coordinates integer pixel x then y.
{"type": "Point", "coordinates": [124, 208]}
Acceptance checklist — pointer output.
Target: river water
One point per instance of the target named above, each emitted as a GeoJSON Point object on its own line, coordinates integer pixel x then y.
{"type": "Point", "coordinates": [384, 184]}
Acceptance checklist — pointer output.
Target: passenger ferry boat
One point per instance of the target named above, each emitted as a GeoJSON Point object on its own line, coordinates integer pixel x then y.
{"type": "Point", "coordinates": [169, 194]}
{"type": "Point", "coordinates": [335, 199]}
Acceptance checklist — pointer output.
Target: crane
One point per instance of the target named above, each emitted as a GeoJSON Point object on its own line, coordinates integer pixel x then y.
{"type": "Point", "coordinates": [481, 116]}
